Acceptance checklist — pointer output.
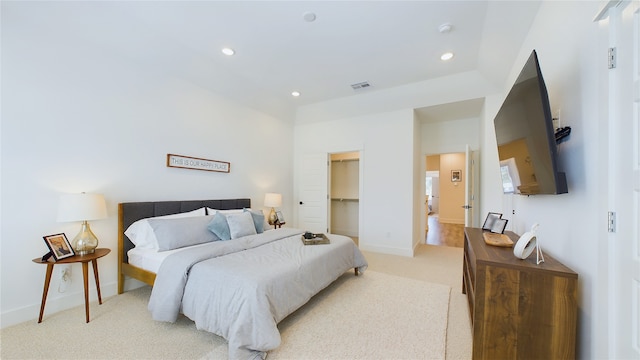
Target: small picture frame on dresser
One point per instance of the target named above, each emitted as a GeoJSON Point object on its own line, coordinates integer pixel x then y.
{"type": "Point", "coordinates": [490, 220]}
{"type": "Point", "coordinates": [498, 226]}
{"type": "Point", "coordinates": [59, 246]}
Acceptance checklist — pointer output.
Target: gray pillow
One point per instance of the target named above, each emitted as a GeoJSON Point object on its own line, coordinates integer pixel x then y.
{"type": "Point", "coordinates": [219, 226]}
{"type": "Point", "coordinates": [176, 233]}
{"type": "Point", "coordinates": [241, 224]}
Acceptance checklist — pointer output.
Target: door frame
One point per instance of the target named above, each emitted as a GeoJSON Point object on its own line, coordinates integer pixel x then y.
{"type": "Point", "coordinates": [616, 280]}
{"type": "Point", "coordinates": [471, 180]}
{"type": "Point", "coordinates": [360, 187]}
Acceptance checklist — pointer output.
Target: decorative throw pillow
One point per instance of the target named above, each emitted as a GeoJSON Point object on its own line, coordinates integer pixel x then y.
{"type": "Point", "coordinates": [141, 234]}
{"type": "Point", "coordinates": [241, 224]}
{"type": "Point", "coordinates": [258, 219]}
{"type": "Point", "coordinates": [219, 226]}
{"type": "Point", "coordinates": [176, 233]}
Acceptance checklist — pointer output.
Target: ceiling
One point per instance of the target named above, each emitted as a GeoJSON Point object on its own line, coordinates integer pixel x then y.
{"type": "Point", "coordinates": [459, 110]}
{"type": "Point", "coordinates": [384, 43]}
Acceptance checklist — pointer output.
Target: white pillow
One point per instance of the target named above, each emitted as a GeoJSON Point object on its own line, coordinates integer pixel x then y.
{"type": "Point", "coordinates": [141, 234]}
{"type": "Point", "coordinates": [223, 212]}
{"type": "Point", "coordinates": [241, 224]}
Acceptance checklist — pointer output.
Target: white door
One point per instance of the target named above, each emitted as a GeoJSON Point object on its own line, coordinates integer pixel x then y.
{"type": "Point", "coordinates": [624, 156]}
{"type": "Point", "coordinates": [312, 199]}
{"type": "Point", "coordinates": [469, 195]}
{"type": "Point", "coordinates": [435, 193]}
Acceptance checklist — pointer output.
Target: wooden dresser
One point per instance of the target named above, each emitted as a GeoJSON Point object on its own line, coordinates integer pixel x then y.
{"type": "Point", "coordinates": [519, 310]}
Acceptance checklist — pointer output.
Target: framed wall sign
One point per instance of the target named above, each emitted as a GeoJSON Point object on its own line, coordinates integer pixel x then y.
{"type": "Point", "coordinates": [188, 162]}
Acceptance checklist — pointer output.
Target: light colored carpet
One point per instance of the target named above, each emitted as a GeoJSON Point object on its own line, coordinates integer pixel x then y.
{"type": "Point", "coordinates": [441, 265]}
{"type": "Point", "coordinates": [372, 316]}
{"type": "Point", "coordinates": [120, 328]}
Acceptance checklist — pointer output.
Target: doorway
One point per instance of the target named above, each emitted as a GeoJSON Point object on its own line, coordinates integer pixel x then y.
{"type": "Point", "coordinates": [445, 181]}
{"type": "Point", "coordinates": [344, 190]}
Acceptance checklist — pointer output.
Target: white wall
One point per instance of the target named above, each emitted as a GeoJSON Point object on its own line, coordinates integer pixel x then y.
{"type": "Point", "coordinates": [443, 90]}
{"type": "Point", "coordinates": [572, 56]}
{"type": "Point", "coordinates": [79, 117]}
{"type": "Point", "coordinates": [370, 121]}
{"type": "Point", "coordinates": [386, 141]}
{"type": "Point", "coordinates": [450, 136]}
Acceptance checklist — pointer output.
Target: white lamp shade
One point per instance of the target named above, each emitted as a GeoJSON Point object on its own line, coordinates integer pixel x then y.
{"type": "Point", "coordinates": [81, 207]}
{"type": "Point", "coordinates": [272, 200]}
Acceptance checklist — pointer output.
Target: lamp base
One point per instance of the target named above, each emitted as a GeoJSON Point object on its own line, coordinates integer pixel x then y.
{"type": "Point", "coordinates": [85, 242]}
{"type": "Point", "coordinates": [85, 252]}
{"type": "Point", "coordinates": [273, 218]}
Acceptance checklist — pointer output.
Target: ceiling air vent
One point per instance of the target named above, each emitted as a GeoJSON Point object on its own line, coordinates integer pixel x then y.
{"type": "Point", "coordinates": [361, 85]}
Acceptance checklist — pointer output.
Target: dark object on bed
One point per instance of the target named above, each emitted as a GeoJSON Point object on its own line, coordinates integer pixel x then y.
{"type": "Point", "coordinates": [130, 212]}
{"type": "Point", "coordinates": [316, 239]}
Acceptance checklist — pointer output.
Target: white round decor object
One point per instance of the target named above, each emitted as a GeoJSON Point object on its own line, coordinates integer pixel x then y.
{"type": "Point", "coordinates": [526, 244]}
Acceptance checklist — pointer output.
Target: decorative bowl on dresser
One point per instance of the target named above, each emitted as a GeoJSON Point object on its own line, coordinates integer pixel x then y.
{"type": "Point", "coordinates": [518, 309]}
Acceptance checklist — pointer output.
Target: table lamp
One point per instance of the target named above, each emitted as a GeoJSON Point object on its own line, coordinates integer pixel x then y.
{"type": "Point", "coordinates": [82, 207]}
{"type": "Point", "coordinates": [272, 200]}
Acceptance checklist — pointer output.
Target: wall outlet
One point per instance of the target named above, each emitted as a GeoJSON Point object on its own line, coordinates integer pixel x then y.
{"type": "Point", "coordinates": [65, 273]}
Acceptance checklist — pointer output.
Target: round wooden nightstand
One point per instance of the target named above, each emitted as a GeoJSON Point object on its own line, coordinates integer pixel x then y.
{"type": "Point", "coordinates": [84, 259]}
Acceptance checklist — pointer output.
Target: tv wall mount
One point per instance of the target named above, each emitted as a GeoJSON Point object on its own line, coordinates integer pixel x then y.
{"type": "Point", "coordinates": [562, 133]}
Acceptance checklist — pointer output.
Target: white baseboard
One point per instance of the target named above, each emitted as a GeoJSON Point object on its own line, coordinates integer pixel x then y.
{"type": "Point", "coordinates": [54, 305]}
{"type": "Point", "coordinates": [345, 232]}
{"type": "Point", "coordinates": [386, 250]}
{"type": "Point", "coordinates": [451, 221]}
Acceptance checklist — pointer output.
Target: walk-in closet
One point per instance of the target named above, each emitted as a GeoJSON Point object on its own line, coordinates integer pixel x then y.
{"type": "Point", "coordinates": [345, 193]}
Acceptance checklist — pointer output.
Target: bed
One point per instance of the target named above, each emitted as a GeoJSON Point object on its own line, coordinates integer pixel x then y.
{"type": "Point", "coordinates": [239, 289]}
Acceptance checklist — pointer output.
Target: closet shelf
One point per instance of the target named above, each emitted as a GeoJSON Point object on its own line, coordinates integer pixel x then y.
{"type": "Point", "coordinates": [345, 199]}
{"type": "Point", "coordinates": [342, 160]}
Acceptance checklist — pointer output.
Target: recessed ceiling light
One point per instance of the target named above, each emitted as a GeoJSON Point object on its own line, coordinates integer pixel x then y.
{"type": "Point", "coordinates": [309, 16]}
{"type": "Point", "coordinates": [228, 51]}
{"type": "Point", "coordinates": [295, 93]}
{"type": "Point", "coordinates": [446, 56]}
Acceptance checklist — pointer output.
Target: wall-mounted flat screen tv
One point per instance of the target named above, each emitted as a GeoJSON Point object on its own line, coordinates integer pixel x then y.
{"type": "Point", "coordinates": [526, 137]}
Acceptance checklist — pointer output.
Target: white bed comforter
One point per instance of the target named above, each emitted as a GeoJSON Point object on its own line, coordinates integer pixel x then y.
{"type": "Point", "coordinates": [240, 289]}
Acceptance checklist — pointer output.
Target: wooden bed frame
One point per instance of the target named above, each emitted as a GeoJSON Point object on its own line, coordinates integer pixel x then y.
{"type": "Point", "coordinates": [128, 213]}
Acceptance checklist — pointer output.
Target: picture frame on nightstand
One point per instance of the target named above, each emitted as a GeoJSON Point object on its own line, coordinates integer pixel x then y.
{"type": "Point", "coordinates": [59, 246]}
{"type": "Point", "coordinates": [280, 217]}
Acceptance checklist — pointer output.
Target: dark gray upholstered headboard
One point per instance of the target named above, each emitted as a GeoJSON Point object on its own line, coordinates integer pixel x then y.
{"type": "Point", "coordinates": [133, 211]}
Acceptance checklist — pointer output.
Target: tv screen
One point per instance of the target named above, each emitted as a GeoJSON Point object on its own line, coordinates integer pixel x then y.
{"type": "Point", "coordinates": [526, 138]}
